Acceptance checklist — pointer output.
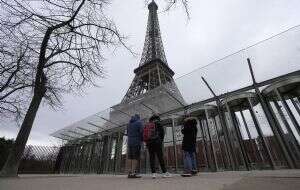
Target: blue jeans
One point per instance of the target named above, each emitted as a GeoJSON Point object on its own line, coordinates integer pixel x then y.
{"type": "Point", "coordinates": [189, 161]}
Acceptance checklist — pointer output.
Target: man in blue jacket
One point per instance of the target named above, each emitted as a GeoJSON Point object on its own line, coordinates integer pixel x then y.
{"type": "Point", "coordinates": [135, 138]}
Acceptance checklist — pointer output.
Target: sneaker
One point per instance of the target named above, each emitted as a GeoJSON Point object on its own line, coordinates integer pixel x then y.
{"type": "Point", "coordinates": [166, 175]}
{"type": "Point", "coordinates": [186, 175]}
{"type": "Point", "coordinates": [153, 175]}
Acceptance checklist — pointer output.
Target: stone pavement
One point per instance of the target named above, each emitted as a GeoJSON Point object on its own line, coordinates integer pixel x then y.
{"type": "Point", "coordinates": [243, 180]}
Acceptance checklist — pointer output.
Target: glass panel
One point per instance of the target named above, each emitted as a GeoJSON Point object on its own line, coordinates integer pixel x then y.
{"type": "Point", "coordinates": [285, 124]}
{"type": "Point", "coordinates": [269, 137]}
{"type": "Point", "coordinates": [294, 111]}
{"type": "Point", "coordinates": [250, 140]}
{"type": "Point", "coordinates": [288, 119]}
{"type": "Point", "coordinates": [279, 118]}
{"type": "Point", "coordinates": [276, 56]}
{"type": "Point", "coordinates": [223, 143]}
{"type": "Point", "coordinates": [209, 145]}
{"type": "Point", "coordinates": [235, 143]}
{"type": "Point", "coordinates": [215, 142]}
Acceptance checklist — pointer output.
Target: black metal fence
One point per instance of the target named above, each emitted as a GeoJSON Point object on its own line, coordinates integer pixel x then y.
{"type": "Point", "coordinates": [39, 160]}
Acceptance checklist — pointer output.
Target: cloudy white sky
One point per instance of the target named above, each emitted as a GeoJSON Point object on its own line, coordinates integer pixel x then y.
{"type": "Point", "coordinates": [216, 29]}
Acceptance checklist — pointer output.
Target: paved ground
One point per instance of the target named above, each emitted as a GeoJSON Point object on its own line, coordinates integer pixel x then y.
{"type": "Point", "coordinates": [267, 180]}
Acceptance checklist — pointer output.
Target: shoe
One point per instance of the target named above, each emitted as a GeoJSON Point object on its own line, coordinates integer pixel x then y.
{"type": "Point", "coordinates": [134, 176]}
{"type": "Point", "coordinates": [153, 175]}
{"type": "Point", "coordinates": [194, 172]}
{"type": "Point", "coordinates": [186, 175]}
{"type": "Point", "coordinates": [166, 175]}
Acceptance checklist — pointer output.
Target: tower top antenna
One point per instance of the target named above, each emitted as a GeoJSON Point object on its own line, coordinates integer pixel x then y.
{"type": "Point", "coordinates": [152, 5]}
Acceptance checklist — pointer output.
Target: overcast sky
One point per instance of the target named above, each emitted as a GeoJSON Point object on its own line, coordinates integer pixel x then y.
{"type": "Point", "coordinates": [216, 29]}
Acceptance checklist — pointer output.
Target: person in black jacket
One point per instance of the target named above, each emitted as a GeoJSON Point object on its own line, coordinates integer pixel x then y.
{"type": "Point", "coordinates": [155, 147]}
{"type": "Point", "coordinates": [189, 132]}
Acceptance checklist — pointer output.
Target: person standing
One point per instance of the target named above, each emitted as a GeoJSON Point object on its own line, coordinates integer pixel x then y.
{"type": "Point", "coordinates": [154, 137]}
{"type": "Point", "coordinates": [189, 132]}
{"type": "Point", "coordinates": [135, 137]}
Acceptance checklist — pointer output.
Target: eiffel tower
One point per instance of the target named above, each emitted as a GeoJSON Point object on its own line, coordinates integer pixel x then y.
{"type": "Point", "coordinates": [153, 70]}
{"type": "Point", "coordinates": [153, 88]}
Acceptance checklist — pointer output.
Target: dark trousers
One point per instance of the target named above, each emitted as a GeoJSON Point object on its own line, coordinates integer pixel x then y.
{"type": "Point", "coordinates": [156, 149]}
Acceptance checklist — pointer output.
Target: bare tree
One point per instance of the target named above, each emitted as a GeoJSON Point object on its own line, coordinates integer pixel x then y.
{"type": "Point", "coordinates": [66, 41]}
{"type": "Point", "coordinates": [15, 80]}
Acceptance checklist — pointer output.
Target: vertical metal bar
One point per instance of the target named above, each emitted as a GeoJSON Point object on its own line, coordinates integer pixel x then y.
{"type": "Point", "coordinates": [260, 133]}
{"type": "Point", "coordinates": [101, 149]}
{"type": "Point", "coordinates": [78, 159]}
{"type": "Point", "coordinates": [227, 140]}
{"type": "Point", "coordinates": [205, 145]}
{"type": "Point", "coordinates": [97, 157]}
{"type": "Point", "coordinates": [239, 133]}
{"type": "Point", "coordinates": [115, 152]}
{"type": "Point", "coordinates": [84, 157]}
{"type": "Point", "coordinates": [296, 106]}
{"type": "Point", "coordinates": [71, 159]}
{"type": "Point", "coordinates": [109, 148]}
{"type": "Point", "coordinates": [224, 127]}
{"type": "Point", "coordinates": [118, 152]}
{"type": "Point", "coordinates": [66, 159]}
{"type": "Point", "coordinates": [103, 154]}
{"type": "Point", "coordinates": [106, 154]}
{"type": "Point", "coordinates": [211, 142]}
{"type": "Point", "coordinates": [271, 119]}
{"type": "Point", "coordinates": [235, 128]}
{"type": "Point", "coordinates": [287, 125]}
{"type": "Point", "coordinates": [253, 146]}
{"type": "Point", "coordinates": [288, 110]}
{"type": "Point", "coordinates": [61, 153]}
{"type": "Point", "coordinates": [174, 143]}
{"type": "Point", "coordinates": [294, 140]}
{"type": "Point", "coordinates": [92, 156]}
{"type": "Point", "coordinates": [219, 142]}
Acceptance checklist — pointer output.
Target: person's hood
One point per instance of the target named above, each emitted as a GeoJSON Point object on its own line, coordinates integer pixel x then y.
{"type": "Point", "coordinates": [134, 118]}
{"type": "Point", "coordinates": [154, 118]}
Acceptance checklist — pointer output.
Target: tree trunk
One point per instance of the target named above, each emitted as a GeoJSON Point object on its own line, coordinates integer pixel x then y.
{"type": "Point", "coordinates": [10, 169]}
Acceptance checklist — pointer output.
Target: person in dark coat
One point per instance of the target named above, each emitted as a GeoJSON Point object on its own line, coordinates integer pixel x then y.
{"type": "Point", "coordinates": [135, 137]}
{"type": "Point", "coordinates": [189, 132]}
{"type": "Point", "coordinates": [155, 147]}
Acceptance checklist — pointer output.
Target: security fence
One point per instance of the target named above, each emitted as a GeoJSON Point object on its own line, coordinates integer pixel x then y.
{"type": "Point", "coordinates": [247, 105]}
{"type": "Point", "coordinates": [39, 160]}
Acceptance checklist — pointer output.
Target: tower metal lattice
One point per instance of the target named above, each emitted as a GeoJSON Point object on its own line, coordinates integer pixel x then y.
{"type": "Point", "coordinates": [153, 46]}
{"type": "Point", "coordinates": [153, 70]}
